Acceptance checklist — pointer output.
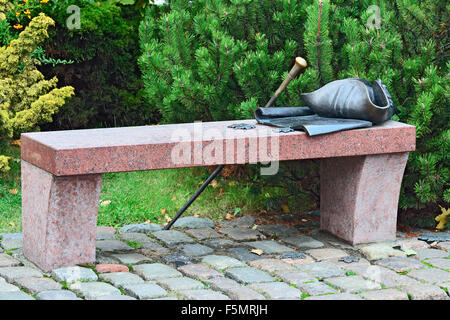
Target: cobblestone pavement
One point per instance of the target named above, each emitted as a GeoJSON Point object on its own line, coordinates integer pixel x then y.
{"type": "Point", "coordinates": [233, 260]}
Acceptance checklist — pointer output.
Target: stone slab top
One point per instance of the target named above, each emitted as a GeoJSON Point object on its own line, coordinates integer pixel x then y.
{"type": "Point", "coordinates": [92, 151]}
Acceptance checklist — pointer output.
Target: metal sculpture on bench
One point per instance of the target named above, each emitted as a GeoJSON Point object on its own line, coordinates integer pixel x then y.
{"type": "Point", "coordinates": [339, 105]}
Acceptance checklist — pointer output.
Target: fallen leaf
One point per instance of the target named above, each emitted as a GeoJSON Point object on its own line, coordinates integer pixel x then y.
{"type": "Point", "coordinates": [257, 251]}
{"type": "Point", "coordinates": [220, 193]}
{"type": "Point", "coordinates": [16, 143]}
{"type": "Point", "coordinates": [12, 224]}
{"type": "Point", "coordinates": [13, 191]}
{"type": "Point", "coordinates": [174, 198]}
{"type": "Point", "coordinates": [214, 183]}
{"type": "Point", "coordinates": [285, 208]}
{"type": "Point", "coordinates": [148, 221]}
{"type": "Point", "coordinates": [163, 211]}
{"type": "Point", "coordinates": [105, 203]}
{"type": "Point", "coordinates": [196, 215]}
{"type": "Point", "coordinates": [410, 252]}
{"type": "Point", "coordinates": [229, 216]}
{"type": "Point", "coordinates": [168, 219]}
{"type": "Point", "coordinates": [255, 226]}
{"type": "Point", "coordinates": [201, 182]}
{"type": "Point", "coordinates": [304, 220]}
{"type": "Point", "coordinates": [433, 244]}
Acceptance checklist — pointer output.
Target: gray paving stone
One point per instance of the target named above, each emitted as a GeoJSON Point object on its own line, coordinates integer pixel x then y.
{"type": "Point", "coordinates": [178, 260]}
{"type": "Point", "coordinates": [248, 275]}
{"type": "Point", "coordinates": [233, 289]}
{"type": "Point", "coordinates": [115, 297]}
{"type": "Point", "coordinates": [104, 236]}
{"type": "Point", "coordinates": [278, 230]}
{"type": "Point", "coordinates": [145, 291]}
{"type": "Point", "coordinates": [74, 274]}
{"type": "Point", "coordinates": [326, 253]}
{"type": "Point", "coordinates": [384, 294]}
{"type": "Point", "coordinates": [222, 262]}
{"type": "Point", "coordinates": [9, 236]}
{"type": "Point", "coordinates": [444, 246]}
{"type": "Point", "coordinates": [193, 223]}
{"type": "Point", "coordinates": [135, 237]}
{"type": "Point", "coordinates": [11, 274]}
{"type": "Point", "coordinates": [93, 290]}
{"type": "Point", "coordinates": [8, 261]}
{"type": "Point", "coordinates": [203, 294]}
{"type": "Point", "coordinates": [277, 290]}
{"type": "Point", "coordinates": [155, 271]}
{"type": "Point", "coordinates": [57, 295]}
{"type": "Point", "coordinates": [337, 296]}
{"type": "Point", "coordinates": [269, 246]}
{"type": "Point", "coordinates": [10, 244]}
{"type": "Point", "coordinates": [321, 270]}
{"type": "Point", "coordinates": [7, 287]}
{"type": "Point", "coordinates": [199, 271]}
{"type": "Point", "coordinates": [380, 251]}
{"type": "Point", "coordinates": [244, 254]}
{"type": "Point", "coordinates": [196, 249]}
{"type": "Point", "coordinates": [434, 236]}
{"type": "Point", "coordinates": [241, 222]}
{"type": "Point", "coordinates": [34, 285]}
{"type": "Point", "coordinates": [430, 275]}
{"type": "Point", "coordinates": [440, 263]}
{"type": "Point", "coordinates": [112, 245]}
{"type": "Point", "coordinates": [352, 284]}
{"type": "Point", "coordinates": [221, 243]}
{"type": "Point", "coordinates": [242, 234]}
{"type": "Point", "coordinates": [400, 264]}
{"type": "Point", "coordinates": [342, 264]}
{"type": "Point", "coordinates": [120, 279]}
{"type": "Point", "coordinates": [412, 244]}
{"type": "Point", "coordinates": [295, 277]}
{"type": "Point", "coordinates": [152, 248]}
{"type": "Point", "coordinates": [203, 233]}
{"type": "Point", "coordinates": [303, 242]}
{"type": "Point", "coordinates": [430, 253]}
{"type": "Point", "coordinates": [16, 295]}
{"type": "Point", "coordinates": [104, 258]}
{"type": "Point", "coordinates": [271, 265]}
{"type": "Point", "coordinates": [172, 237]}
{"type": "Point", "coordinates": [141, 227]}
{"type": "Point", "coordinates": [131, 258]}
{"type": "Point", "coordinates": [315, 288]}
{"type": "Point", "coordinates": [183, 283]}
{"type": "Point", "coordinates": [387, 277]}
{"type": "Point", "coordinates": [425, 292]}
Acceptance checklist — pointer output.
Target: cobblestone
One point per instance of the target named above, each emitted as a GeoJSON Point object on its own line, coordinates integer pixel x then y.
{"type": "Point", "coordinates": [193, 223]}
{"type": "Point", "coordinates": [277, 290]}
{"type": "Point", "coordinates": [242, 234]}
{"type": "Point", "coordinates": [144, 291]}
{"type": "Point", "coordinates": [303, 242]}
{"type": "Point", "coordinates": [222, 262]}
{"type": "Point", "coordinates": [269, 247]}
{"type": "Point", "coordinates": [233, 289]}
{"type": "Point", "coordinates": [197, 262]}
{"type": "Point", "coordinates": [155, 271]}
{"type": "Point", "coordinates": [352, 284]}
{"type": "Point", "coordinates": [425, 292]}
{"type": "Point", "coordinates": [248, 275]}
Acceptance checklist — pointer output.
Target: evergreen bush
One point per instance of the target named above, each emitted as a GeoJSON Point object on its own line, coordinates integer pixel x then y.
{"type": "Point", "coordinates": [220, 59]}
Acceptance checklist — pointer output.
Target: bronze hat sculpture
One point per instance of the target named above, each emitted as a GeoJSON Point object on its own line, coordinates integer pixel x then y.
{"type": "Point", "coordinates": [339, 105]}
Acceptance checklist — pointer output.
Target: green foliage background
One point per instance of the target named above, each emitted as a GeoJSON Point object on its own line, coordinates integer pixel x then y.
{"type": "Point", "coordinates": [221, 59]}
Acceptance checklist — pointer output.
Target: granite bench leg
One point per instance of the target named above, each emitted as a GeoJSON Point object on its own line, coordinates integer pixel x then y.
{"type": "Point", "coordinates": [59, 217]}
{"type": "Point", "coordinates": [359, 196]}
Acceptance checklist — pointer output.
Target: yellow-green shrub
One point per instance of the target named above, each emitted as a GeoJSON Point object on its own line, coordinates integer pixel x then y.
{"type": "Point", "coordinates": [27, 99]}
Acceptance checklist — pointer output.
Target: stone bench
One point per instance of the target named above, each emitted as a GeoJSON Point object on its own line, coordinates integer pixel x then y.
{"type": "Point", "coordinates": [361, 173]}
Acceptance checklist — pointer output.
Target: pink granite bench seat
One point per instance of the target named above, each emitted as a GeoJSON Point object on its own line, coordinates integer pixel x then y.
{"type": "Point", "coordinates": [361, 174]}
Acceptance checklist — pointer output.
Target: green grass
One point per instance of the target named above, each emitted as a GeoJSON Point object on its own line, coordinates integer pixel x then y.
{"type": "Point", "coordinates": [10, 203]}
{"type": "Point", "coordinates": [136, 197]}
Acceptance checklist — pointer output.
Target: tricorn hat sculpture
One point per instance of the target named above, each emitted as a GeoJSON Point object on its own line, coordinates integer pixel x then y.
{"type": "Point", "coordinates": [352, 98]}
